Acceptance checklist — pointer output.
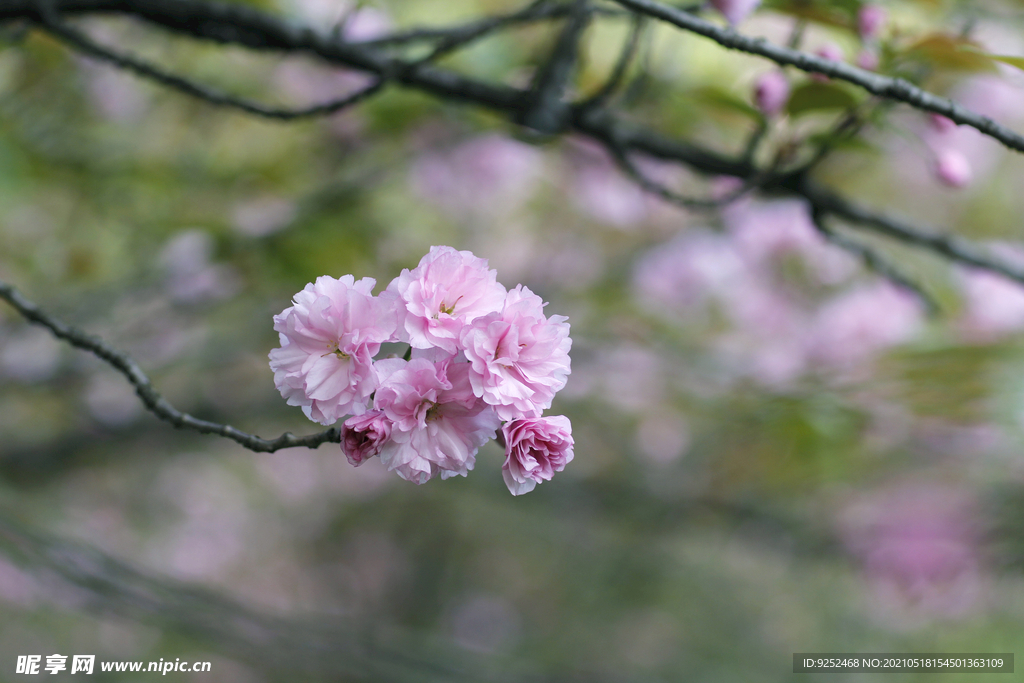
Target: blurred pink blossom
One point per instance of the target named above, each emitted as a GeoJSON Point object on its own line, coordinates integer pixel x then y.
{"type": "Point", "coordinates": [862, 321]}
{"type": "Point", "coordinates": [262, 216]}
{"type": "Point", "coordinates": [769, 230]}
{"type": "Point", "coordinates": [361, 23]}
{"type": "Point", "coordinates": [112, 400]}
{"type": "Point", "coordinates": [663, 436]}
{"type": "Point", "coordinates": [115, 95]}
{"type": "Point", "coordinates": [919, 549]}
{"type": "Point", "coordinates": [190, 275]}
{"type": "Point", "coordinates": [366, 23]}
{"type": "Point", "coordinates": [687, 270]}
{"type": "Point", "coordinates": [602, 191]}
{"type": "Point", "coordinates": [993, 304]}
{"type": "Point", "coordinates": [18, 587]}
{"type": "Point", "coordinates": [31, 354]}
{"type": "Point", "coordinates": [630, 377]}
{"type": "Point", "coordinates": [953, 168]}
{"type": "Point", "coordinates": [941, 123]}
{"type": "Point", "coordinates": [491, 174]}
{"type": "Point", "coordinates": [830, 52]}
{"type": "Point", "coordinates": [771, 92]}
{"type": "Point", "coordinates": [868, 60]}
{"type": "Point", "coordinates": [961, 153]}
{"type": "Point", "coordinates": [871, 19]}
{"type": "Point", "coordinates": [535, 448]}
{"type": "Point", "coordinates": [735, 11]}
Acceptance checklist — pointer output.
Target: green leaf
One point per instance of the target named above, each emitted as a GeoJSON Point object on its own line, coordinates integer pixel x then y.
{"type": "Point", "coordinates": [1005, 59]}
{"type": "Point", "coordinates": [839, 14]}
{"type": "Point", "coordinates": [951, 53]}
{"type": "Point", "coordinates": [816, 96]}
{"type": "Point", "coordinates": [724, 100]}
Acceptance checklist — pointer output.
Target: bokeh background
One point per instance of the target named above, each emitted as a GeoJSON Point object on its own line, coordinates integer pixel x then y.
{"type": "Point", "coordinates": [777, 451]}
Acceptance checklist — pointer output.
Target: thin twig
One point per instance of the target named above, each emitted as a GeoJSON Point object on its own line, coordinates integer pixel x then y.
{"type": "Point", "coordinates": [243, 25]}
{"type": "Point", "coordinates": [876, 84]}
{"type": "Point", "coordinates": [463, 36]}
{"type": "Point", "coordinates": [875, 261]}
{"type": "Point", "coordinates": [83, 43]}
{"type": "Point", "coordinates": [535, 11]}
{"type": "Point", "coordinates": [618, 74]}
{"type": "Point", "coordinates": [153, 401]}
{"type": "Point", "coordinates": [636, 174]}
{"type": "Point", "coordinates": [949, 247]}
{"type": "Point", "coordinates": [547, 112]}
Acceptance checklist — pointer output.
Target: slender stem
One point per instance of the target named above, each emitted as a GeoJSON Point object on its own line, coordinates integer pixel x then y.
{"type": "Point", "coordinates": [153, 401]}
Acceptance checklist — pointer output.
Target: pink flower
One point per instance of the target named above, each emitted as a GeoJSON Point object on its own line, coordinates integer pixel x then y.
{"type": "Point", "coordinates": [868, 60]}
{"type": "Point", "coordinates": [870, 21]}
{"type": "Point", "coordinates": [328, 339]}
{"type": "Point", "coordinates": [683, 273]}
{"type": "Point", "coordinates": [601, 191]}
{"type": "Point", "coordinates": [993, 305]}
{"type": "Point", "coordinates": [485, 176]}
{"type": "Point", "coordinates": [535, 448]}
{"type": "Point", "coordinates": [861, 322]}
{"type": "Point", "coordinates": [735, 11]}
{"type": "Point", "coordinates": [830, 52]}
{"type": "Point", "coordinates": [952, 168]}
{"type": "Point", "coordinates": [919, 544]}
{"type": "Point", "coordinates": [437, 422]}
{"type": "Point", "coordinates": [447, 290]}
{"type": "Point", "coordinates": [941, 123]}
{"type": "Point", "coordinates": [771, 92]}
{"type": "Point", "coordinates": [519, 358]}
{"type": "Point", "coordinates": [363, 436]}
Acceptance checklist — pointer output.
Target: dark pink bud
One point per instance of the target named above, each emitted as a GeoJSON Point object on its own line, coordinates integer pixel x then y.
{"type": "Point", "coordinates": [941, 123]}
{"type": "Point", "coordinates": [870, 21]}
{"type": "Point", "coordinates": [363, 436]}
{"type": "Point", "coordinates": [771, 92]}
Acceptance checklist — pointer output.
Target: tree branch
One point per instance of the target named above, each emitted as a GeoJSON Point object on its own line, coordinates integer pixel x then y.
{"type": "Point", "coordinates": [153, 401]}
{"type": "Point", "coordinates": [81, 42]}
{"type": "Point", "coordinates": [877, 84]}
{"type": "Point", "coordinates": [546, 111]}
{"type": "Point", "coordinates": [949, 247]}
{"type": "Point", "coordinates": [875, 261]}
{"type": "Point", "coordinates": [618, 74]}
{"type": "Point", "coordinates": [243, 25]}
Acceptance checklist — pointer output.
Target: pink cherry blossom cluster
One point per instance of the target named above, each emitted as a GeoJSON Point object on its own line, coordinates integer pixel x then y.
{"type": "Point", "coordinates": [479, 356]}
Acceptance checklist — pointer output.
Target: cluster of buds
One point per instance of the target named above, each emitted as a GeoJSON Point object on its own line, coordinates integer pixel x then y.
{"type": "Point", "coordinates": [480, 358]}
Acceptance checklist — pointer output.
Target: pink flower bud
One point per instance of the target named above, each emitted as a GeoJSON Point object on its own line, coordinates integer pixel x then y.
{"type": "Point", "coordinates": [771, 92]}
{"type": "Point", "coordinates": [832, 53]}
{"type": "Point", "coordinates": [363, 436]}
{"type": "Point", "coordinates": [867, 60]}
{"type": "Point", "coordinates": [941, 123]}
{"type": "Point", "coordinates": [735, 11]}
{"type": "Point", "coordinates": [870, 21]}
{"type": "Point", "coordinates": [952, 168]}
{"type": "Point", "coordinates": [535, 448]}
